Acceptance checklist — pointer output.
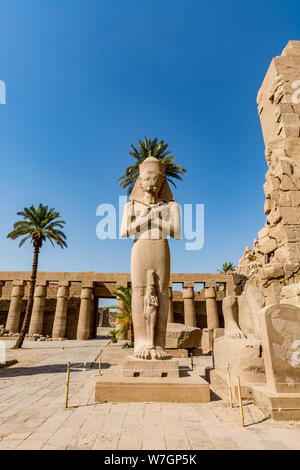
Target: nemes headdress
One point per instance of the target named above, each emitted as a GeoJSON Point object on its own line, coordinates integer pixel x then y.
{"type": "Point", "coordinates": [155, 165]}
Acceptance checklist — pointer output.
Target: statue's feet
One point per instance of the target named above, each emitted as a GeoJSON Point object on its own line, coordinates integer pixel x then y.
{"type": "Point", "coordinates": [161, 353]}
{"type": "Point", "coordinates": [233, 331]}
{"type": "Point", "coordinates": [142, 353]}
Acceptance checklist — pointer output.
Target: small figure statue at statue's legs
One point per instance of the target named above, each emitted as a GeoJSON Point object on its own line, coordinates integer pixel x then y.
{"type": "Point", "coordinates": [150, 314]}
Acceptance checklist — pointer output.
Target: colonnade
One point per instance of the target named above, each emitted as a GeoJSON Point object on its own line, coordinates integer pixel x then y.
{"type": "Point", "coordinates": [89, 290]}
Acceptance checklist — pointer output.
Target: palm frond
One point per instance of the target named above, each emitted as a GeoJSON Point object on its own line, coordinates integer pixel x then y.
{"type": "Point", "coordinates": [39, 224]}
{"type": "Point", "coordinates": [157, 149]}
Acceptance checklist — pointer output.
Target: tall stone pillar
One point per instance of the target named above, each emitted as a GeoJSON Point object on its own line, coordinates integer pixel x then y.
{"type": "Point", "coordinates": [37, 317]}
{"type": "Point", "coordinates": [1, 285]}
{"type": "Point", "coordinates": [189, 306]}
{"type": "Point", "coordinates": [85, 312]}
{"type": "Point", "coordinates": [170, 311]}
{"type": "Point", "coordinates": [60, 318]}
{"type": "Point", "coordinates": [15, 308]}
{"type": "Point", "coordinates": [211, 308]}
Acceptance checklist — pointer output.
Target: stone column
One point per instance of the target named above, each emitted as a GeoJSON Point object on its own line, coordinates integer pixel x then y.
{"type": "Point", "coordinates": [60, 318]}
{"type": "Point", "coordinates": [211, 308]}
{"type": "Point", "coordinates": [37, 317]}
{"type": "Point", "coordinates": [15, 308]}
{"type": "Point", "coordinates": [189, 306]}
{"type": "Point", "coordinates": [1, 285]}
{"type": "Point", "coordinates": [170, 311]}
{"type": "Point", "coordinates": [84, 320]}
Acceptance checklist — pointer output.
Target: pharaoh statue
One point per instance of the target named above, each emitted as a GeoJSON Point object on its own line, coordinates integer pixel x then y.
{"type": "Point", "coordinates": [151, 216]}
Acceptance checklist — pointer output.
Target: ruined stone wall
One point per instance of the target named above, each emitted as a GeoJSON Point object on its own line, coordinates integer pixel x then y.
{"type": "Point", "coordinates": [274, 260]}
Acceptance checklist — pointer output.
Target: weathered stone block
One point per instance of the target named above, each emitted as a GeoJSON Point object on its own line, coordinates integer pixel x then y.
{"type": "Point", "coordinates": [286, 183]}
{"type": "Point", "coordinates": [267, 245]}
{"type": "Point", "coordinates": [280, 332]}
{"type": "Point", "coordinates": [295, 198]}
{"type": "Point", "coordinates": [272, 272]}
{"type": "Point", "coordinates": [291, 295]}
{"type": "Point", "coordinates": [182, 336]}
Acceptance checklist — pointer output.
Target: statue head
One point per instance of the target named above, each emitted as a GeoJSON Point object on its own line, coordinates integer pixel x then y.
{"type": "Point", "coordinates": [152, 180]}
{"type": "Point", "coordinates": [151, 291]}
{"type": "Point", "coordinates": [152, 175]}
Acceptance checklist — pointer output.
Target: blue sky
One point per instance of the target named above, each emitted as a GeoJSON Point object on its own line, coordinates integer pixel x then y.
{"type": "Point", "coordinates": [85, 79]}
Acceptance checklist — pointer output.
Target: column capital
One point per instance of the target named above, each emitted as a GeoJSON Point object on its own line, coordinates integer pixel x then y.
{"type": "Point", "coordinates": [18, 282]}
{"type": "Point", "coordinates": [86, 292]}
{"type": "Point", "coordinates": [210, 283]}
{"type": "Point", "coordinates": [210, 292]}
{"type": "Point", "coordinates": [188, 293]}
{"type": "Point", "coordinates": [40, 291]}
{"type": "Point", "coordinates": [17, 290]}
{"type": "Point", "coordinates": [63, 290]}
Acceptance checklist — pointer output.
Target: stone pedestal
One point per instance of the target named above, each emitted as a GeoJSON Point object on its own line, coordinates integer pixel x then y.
{"type": "Point", "coordinates": [188, 387]}
{"type": "Point", "coordinates": [60, 318]}
{"type": "Point", "coordinates": [15, 308]}
{"type": "Point", "coordinates": [37, 317]}
{"type": "Point", "coordinates": [189, 306]}
{"type": "Point", "coordinates": [150, 368]}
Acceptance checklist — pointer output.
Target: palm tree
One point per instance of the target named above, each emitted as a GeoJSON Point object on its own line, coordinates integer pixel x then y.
{"type": "Point", "coordinates": [146, 149]}
{"type": "Point", "coordinates": [37, 225]}
{"type": "Point", "coordinates": [227, 267]}
{"type": "Point", "coordinates": [124, 313]}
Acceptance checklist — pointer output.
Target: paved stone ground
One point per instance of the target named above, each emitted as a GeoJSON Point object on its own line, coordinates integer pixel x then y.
{"type": "Point", "coordinates": [32, 414]}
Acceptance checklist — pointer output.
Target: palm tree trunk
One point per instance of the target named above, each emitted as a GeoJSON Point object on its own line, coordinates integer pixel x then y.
{"type": "Point", "coordinates": [29, 306]}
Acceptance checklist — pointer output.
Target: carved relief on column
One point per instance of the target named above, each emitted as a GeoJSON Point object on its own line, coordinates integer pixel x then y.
{"type": "Point", "coordinates": [189, 306]}
{"type": "Point", "coordinates": [60, 318]}
{"type": "Point", "coordinates": [15, 308]}
{"type": "Point", "coordinates": [170, 310]}
{"type": "Point", "coordinates": [85, 312]}
{"type": "Point", "coordinates": [211, 308]}
{"type": "Point", "coordinates": [37, 317]}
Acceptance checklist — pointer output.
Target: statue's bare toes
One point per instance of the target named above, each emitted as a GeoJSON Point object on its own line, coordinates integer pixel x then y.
{"type": "Point", "coordinates": [147, 354]}
{"type": "Point", "coordinates": [162, 353]}
{"type": "Point", "coordinates": [234, 333]}
{"type": "Point", "coordinates": [139, 355]}
{"type": "Point", "coordinates": [154, 354]}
